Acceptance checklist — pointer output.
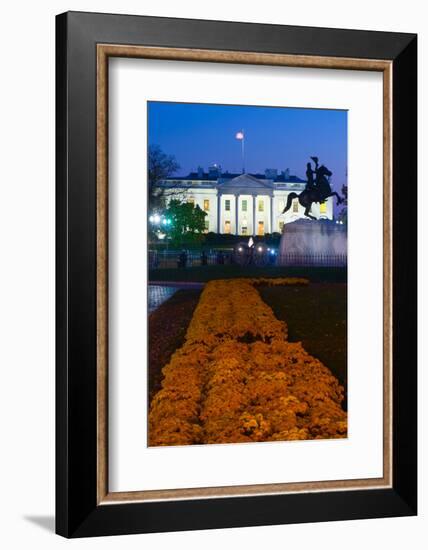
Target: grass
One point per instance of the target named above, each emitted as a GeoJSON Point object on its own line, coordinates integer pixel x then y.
{"type": "Point", "coordinates": [210, 272]}
{"type": "Point", "coordinates": [316, 315]}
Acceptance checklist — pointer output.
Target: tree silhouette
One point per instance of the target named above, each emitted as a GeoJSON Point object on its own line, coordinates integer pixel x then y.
{"type": "Point", "coordinates": [160, 166]}
{"type": "Point", "coordinates": [343, 216]}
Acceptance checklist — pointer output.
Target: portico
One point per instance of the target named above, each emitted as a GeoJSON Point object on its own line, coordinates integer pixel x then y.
{"type": "Point", "coordinates": [245, 206]}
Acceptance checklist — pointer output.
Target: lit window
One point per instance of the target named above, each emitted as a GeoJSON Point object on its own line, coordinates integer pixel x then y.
{"type": "Point", "coordinates": [323, 208]}
{"type": "Point", "coordinates": [261, 229]}
{"type": "Point", "coordinates": [261, 205]}
{"type": "Point", "coordinates": [227, 204]}
{"type": "Point", "coordinates": [244, 205]}
{"type": "Point", "coordinates": [227, 227]}
{"type": "Point", "coordinates": [281, 226]}
{"type": "Point", "coordinates": [295, 205]}
{"type": "Point", "coordinates": [206, 205]}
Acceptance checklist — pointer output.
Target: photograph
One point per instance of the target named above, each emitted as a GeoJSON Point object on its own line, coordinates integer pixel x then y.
{"type": "Point", "coordinates": [247, 273]}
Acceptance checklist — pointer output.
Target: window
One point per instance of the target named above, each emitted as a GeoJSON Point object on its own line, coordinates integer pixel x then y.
{"type": "Point", "coordinates": [244, 230]}
{"type": "Point", "coordinates": [281, 226]}
{"type": "Point", "coordinates": [323, 208]}
{"type": "Point", "coordinates": [261, 229]}
{"type": "Point", "coordinates": [206, 205]}
{"type": "Point", "coordinates": [295, 205]}
{"type": "Point", "coordinates": [227, 205]}
{"type": "Point", "coordinates": [227, 227]}
{"type": "Point", "coordinates": [191, 200]}
{"type": "Point", "coordinates": [244, 205]}
{"type": "Point", "coordinates": [207, 225]}
{"type": "Point", "coordinates": [261, 205]}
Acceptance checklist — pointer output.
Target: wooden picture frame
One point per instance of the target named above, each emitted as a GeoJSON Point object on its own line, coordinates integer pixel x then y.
{"type": "Point", "coordinates": [85, 42]}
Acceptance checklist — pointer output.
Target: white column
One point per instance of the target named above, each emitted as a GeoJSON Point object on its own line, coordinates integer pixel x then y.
{"type": "Point", "coordinates": [218, 212]}
{"type": "Point", "coordinates": [254, 213]}
{"type": "Point", "coordinates": [271, 214]}
{"type": "Point", "coordinates": [236, 214]}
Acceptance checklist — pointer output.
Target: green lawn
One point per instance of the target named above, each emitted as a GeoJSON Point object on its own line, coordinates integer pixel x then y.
{"type": "Point", "coordinates": [316, 315]}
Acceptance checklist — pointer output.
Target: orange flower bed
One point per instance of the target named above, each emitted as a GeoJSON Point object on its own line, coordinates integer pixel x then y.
{"type": "Point", "coordinates": [238, 379]}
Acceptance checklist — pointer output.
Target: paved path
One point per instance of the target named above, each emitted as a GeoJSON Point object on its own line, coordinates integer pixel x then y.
{"type": "Point", "coordinates": [178, 284]}
{"type": "Point", "coordinates": [161, 291]}
{"type": "Point", "coordinates": [159, 294]}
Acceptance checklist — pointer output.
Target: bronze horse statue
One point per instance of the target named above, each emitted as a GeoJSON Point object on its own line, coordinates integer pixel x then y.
{"type": "Point", "coordinates": [314, 193]}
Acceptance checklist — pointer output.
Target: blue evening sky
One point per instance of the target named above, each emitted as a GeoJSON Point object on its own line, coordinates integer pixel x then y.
{"type": "Point", "coordinates": [275, 137]}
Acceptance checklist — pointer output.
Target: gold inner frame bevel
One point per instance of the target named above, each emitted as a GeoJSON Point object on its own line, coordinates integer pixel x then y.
{"type": "Point", "coordinates": [104, 51]}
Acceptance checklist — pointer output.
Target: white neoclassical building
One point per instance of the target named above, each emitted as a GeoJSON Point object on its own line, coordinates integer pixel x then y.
{"type": "Point", "coordinates": [243, 204]}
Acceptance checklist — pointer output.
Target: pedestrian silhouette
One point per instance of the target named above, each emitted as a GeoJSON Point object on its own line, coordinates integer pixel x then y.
{"type": "Point", "coordinates": [182, 259]}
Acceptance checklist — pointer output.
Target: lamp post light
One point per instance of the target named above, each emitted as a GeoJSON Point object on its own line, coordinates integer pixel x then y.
{"type": "Point", "coordinates": [159, 222]}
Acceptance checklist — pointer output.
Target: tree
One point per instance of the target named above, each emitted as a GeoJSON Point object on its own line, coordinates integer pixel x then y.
{"type": "Point", "coordinates": [160, 166]}
{"type": "Point", "coordinates": [343, 216]}
{"type": "Point", "coordinates": [187, 220]}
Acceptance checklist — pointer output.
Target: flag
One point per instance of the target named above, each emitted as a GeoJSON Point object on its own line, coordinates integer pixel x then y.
{"type": "Point", "coordinates": [239, 135]}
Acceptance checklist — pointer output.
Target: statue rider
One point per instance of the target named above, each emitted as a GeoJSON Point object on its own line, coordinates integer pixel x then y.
{"type": "Point", "coordinates": [316, 171]}
{"type": "Point", "coordinates": [312, 183]}
{"type": "Point", "coordinates": [319, 179]}
{"type": "Point", "coordinates": [310, 177]}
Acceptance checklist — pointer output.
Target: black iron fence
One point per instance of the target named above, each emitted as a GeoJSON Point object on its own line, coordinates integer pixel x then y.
{"type": "Point", "coordinates": [325, 260]}
{"type": "Point", "coordinates": [188, 258]}
{"type": "Point", "coordinates": [195, 258]}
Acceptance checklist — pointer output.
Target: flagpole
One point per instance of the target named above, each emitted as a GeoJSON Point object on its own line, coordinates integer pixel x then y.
{"type": "Point", "coordinates": [241, 136]}
{"type": "Point", "coordinates": [242, 149]}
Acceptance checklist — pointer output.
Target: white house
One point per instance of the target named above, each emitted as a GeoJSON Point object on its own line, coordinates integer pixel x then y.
{"type": "Point", "coordinates": [243, 204]}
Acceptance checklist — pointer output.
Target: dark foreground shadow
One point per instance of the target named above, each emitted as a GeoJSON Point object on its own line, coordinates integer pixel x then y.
{"type": "Point", "coordinates": [316, 315]}
{"type": "Point", "coordinates": [45, 522]}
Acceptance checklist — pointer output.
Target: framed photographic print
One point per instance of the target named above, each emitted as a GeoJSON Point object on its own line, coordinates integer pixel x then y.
{"type": "Point", "coordinates": [236, 274]}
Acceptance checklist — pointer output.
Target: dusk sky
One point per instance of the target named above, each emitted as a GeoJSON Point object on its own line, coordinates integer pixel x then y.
{"type": "Point", "coordinates": [275, 137]}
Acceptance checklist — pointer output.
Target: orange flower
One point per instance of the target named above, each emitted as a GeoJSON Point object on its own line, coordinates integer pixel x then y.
{"type": "Point", "coordinates": [238, 379]}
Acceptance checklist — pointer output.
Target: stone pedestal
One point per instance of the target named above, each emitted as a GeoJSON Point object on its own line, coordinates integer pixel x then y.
{"type": "Point", "coordinates": [313, 242]}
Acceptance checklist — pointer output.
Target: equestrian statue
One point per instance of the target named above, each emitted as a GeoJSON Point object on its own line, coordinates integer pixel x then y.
{"type": "Point", "coordinates": [316, 190]}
